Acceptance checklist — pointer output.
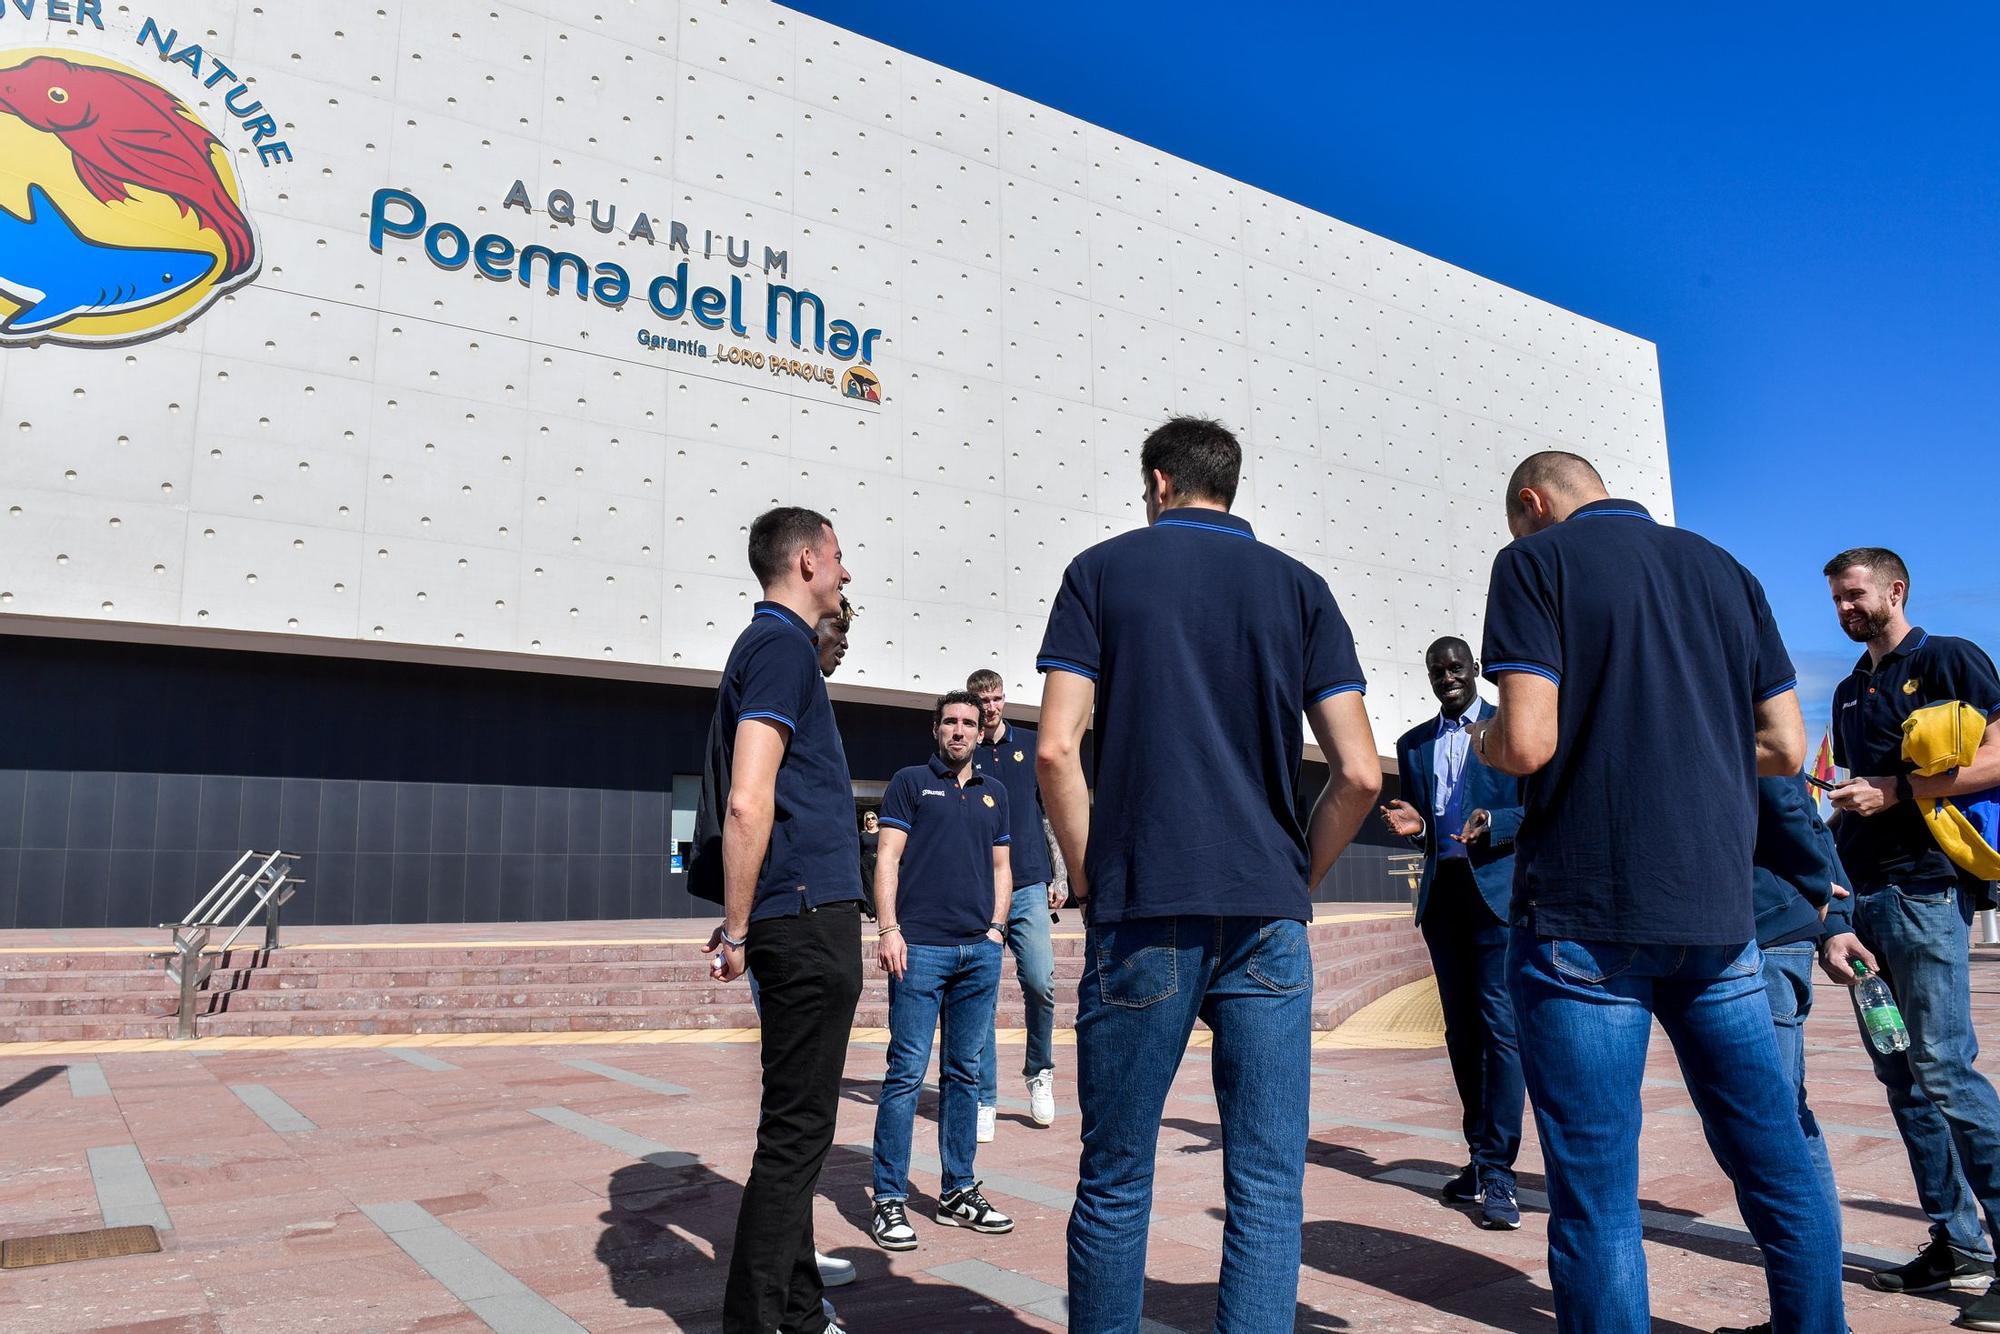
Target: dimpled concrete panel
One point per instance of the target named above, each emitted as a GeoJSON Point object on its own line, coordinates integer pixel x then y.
{"type": "Point", "coordinates": [390, 434]}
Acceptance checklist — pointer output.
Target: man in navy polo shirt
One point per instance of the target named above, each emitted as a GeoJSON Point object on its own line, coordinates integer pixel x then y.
{"type": "Point", "coordinates": [1198, 649]}
{"type": "Point", "coordinates": [1006, 752]}
{"type": "Point", "coordinates": [1913, 909]}
{"type": "Point", "coordinates": [942, 885]}
{"type": "Point", "coordinates": [791, 908]}
{"type": "Point", "coordinates": [1632, 658]}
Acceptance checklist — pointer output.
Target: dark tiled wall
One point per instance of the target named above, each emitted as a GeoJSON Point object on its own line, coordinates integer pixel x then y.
{"type": "Point", "coordinates": [125, 849]}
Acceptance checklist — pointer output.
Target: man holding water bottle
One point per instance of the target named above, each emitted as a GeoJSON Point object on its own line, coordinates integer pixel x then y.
{"type": "Point", "coordinates": [1913, 912]}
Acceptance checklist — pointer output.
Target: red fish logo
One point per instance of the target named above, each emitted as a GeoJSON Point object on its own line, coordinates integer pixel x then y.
{"type": "Point", "coordinates": [123, 132]}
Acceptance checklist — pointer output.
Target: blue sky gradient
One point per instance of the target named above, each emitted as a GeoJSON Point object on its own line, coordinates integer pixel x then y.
{"type": "Point", "coordinates": [1799, 205]}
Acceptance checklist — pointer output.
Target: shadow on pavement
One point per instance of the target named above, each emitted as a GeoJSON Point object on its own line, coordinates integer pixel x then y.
{"type": "Point", "coordinates": [29, 1082]}
{"type": "Point", "coordinates": [669, 1230]}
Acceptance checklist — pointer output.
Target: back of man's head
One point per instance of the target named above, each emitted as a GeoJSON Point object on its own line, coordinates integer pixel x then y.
{"type": "Point", "coordinates": [1198, 455]}
{"type": "Point", "coordinates": [777, 535]}
{"type": "Point", "coordinates": [1564, 478]}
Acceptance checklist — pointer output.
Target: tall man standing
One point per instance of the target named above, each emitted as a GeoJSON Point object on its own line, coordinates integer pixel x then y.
{"type": "Point", "coordinates": [1623, 916]}
{"type": "Point", "coordinates": [1465, 816]}
{"type": "Point", "coordinates": [1197, 648]}
{"type": "Point", "coordinates": [1006, 753]}
{"type": "Point", "coordinates": [791, 908]}
{"type": "Point", "coordinates": [942, 884]}
{"type": "Point", "coordinates": [1913, 910]}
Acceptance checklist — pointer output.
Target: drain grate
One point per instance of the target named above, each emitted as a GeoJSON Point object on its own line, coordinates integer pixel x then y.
{"type": "Point", "coordinates": [60, 1248]}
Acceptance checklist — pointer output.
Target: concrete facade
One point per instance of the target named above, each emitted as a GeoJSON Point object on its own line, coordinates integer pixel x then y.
{"type": "Point", "coordinates": [360, 430]}
{"type": "Point", "coordinates": [364, 445]}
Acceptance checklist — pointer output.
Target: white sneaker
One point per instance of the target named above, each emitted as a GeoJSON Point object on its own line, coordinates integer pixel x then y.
{"type": "Point", "coordinates": [1042, 1097]}
{"type": "Point", "coordinates": [986, 1115]}
{"type": "Point", "coordinates": [834, 1272]}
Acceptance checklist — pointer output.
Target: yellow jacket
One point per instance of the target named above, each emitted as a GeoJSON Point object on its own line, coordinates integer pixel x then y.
{"type": "Point", "coordinates": [1937, 739]}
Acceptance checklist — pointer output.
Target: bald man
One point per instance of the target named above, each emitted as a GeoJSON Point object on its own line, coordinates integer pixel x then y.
{"type": "Point", "coordinates": [1629, 655]}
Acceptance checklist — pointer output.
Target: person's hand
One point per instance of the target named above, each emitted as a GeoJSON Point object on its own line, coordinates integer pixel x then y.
{"type": "Point", "coordinates": [1056, 896]}
{"type": "Point", "coordinates": [892, 956]}
{"type": "Point", "coordinates": [1402, 819]}
{"type": "Point", "coordinates": [1839, 892]}
{"type": "Point", "coordinates": [1477, 826]}
{"type": "Point", "coordinates": [1838, 956]}
{"type": "Point", "coordinates": [729, 961]}
{"type": "Point", "coordinates": [1864, 796]}
{"type": "Point", "coordinates": [996, 935]}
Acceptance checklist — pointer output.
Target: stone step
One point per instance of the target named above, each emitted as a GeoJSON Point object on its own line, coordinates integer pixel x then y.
{"type": "Point", "coordinates": [1068, 942]}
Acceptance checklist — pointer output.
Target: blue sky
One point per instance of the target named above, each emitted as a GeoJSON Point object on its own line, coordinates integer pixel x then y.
{"type": "Point", "coordinates": [1799, 205]}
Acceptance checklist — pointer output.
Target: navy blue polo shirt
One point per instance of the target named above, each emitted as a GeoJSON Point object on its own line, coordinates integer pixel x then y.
{"type": "Point", "coordinates": [1206, 646]}
{"type": "Point", "coordinates": [1640, 828]}
{"type": "Point", "coordinates": [944, 880]}
{"type": "Point", "coordinates": [1894, 846]}
{"type": "Point", "coordinates": [815, 853]}
{"type": "Point", "coordinates": [1011, 760]}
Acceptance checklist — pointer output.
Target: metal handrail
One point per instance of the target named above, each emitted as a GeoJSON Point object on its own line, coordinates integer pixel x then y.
{"type": "Point", "coordinates": [190, 962]}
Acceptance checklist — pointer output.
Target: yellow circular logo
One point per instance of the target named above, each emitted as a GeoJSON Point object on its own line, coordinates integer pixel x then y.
{"type": "Point", "coordinates": [987, 800]}
{"type": "Point", "coordinates": [1020, 756]}
{"type": "Point", "coordinates": [121, 215]}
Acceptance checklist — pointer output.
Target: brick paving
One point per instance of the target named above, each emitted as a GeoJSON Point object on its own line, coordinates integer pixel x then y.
{"type": "Point", "coordinates": [524, 1187]}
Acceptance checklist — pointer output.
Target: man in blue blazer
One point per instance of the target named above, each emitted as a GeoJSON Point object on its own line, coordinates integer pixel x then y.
{"type": "Point", "coordinates": [1464, 816]}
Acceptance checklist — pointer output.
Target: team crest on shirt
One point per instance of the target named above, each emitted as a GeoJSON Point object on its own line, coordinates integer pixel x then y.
{"type": "Point", "coordinates": [987, 800]}
{"type": "Point", "coordinates": [1020, 757]}
{"type": "Point", "coordinates": [1910, 686]}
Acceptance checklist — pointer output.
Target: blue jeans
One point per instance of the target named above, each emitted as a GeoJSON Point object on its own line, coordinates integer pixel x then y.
{"type": "Point", "coordinates": [1468, 946]}
{"type": "Point", "coordinates": [1035, 968]}
{"type": "Point", "coordinates": [1586, 1010]}
{"type": "Point", "coordinates": [1788, 990]}
{"type": "Point", "coordinates": [954, 983]}
{"type": "Point", "coordinates": [1145, 982]}
{"type": "Point", "coordinates": [1946, 1110]}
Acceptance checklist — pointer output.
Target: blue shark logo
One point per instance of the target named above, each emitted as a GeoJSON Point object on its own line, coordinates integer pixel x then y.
{"type": "Point", "coordinates": [58, 274]}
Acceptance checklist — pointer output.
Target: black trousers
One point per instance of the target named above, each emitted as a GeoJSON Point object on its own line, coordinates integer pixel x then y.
{"type": "Point", "coordinates": [1468, 947]}
{"type": "Point", "coordinates": [809, 971]}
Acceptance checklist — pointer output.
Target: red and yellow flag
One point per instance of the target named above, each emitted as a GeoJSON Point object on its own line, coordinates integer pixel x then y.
{"type": "Point", "coordinates": [1822, 765]}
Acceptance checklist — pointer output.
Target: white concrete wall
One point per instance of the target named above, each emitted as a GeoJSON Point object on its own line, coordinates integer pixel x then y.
{"type": "Point", "coordinates": [367, 446]}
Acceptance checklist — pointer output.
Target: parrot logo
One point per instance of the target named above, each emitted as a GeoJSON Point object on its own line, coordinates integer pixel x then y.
{"type": "Point", "coordinates": [121, 216]}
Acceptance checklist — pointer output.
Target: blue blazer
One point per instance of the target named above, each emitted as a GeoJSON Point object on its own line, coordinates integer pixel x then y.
{"type": "Point", "coordinates": [1486, 789]}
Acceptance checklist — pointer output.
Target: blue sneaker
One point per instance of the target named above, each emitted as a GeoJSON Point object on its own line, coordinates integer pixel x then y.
{"type": "Point", "coordinates": [1464, 1188]}
{"type": "Point", "coordinates": [1499, 1210]}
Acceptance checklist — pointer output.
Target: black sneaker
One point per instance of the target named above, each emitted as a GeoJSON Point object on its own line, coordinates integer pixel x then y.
{"type": "Point", "coordinates": [1764, 1328]}
{"type": "Point", "coordinates": [1464, 1188]}
{"type": "Point", "coordinates": [1982, 1314]}
{"type": "Point", "coordinates": [968, 1208]}
{"type": "Point", "coordinates": [891, 1227]}
{"type": "Point", "coordinates": [1499, 1211]}
{"type": "Point", "coordinates": [1938, 1266]}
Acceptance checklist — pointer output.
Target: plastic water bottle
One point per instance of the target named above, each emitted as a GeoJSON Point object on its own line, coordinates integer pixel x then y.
{"type": "Point", "coordinates": [1878, 1011]}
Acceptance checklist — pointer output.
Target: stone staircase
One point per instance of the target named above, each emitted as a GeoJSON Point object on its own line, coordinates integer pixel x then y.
{"type": "Point", "coordinates": [542, 987]}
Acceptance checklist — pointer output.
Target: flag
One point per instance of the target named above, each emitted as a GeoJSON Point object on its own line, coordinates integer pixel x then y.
{"type": "Point", "coordinates": [1822, 765]}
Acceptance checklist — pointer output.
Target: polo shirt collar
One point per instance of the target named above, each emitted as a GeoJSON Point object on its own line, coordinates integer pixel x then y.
{"type": "Point", "coordinates": [788, 616]}
{"type": "Point", "coordinates": [1192, 516]}
{"type": "Point", "coordinates": [1910, 644]}
{"type": "Point", "coordinates": [1628, 509]}
{"type": "Point", "coordinates": [943, 770]}
{"type": "Point", "coordinates": [1006, 730]}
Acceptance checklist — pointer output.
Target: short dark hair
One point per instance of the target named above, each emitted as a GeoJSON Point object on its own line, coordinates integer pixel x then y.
{"type": "Point", "coordinates": [951, 697]}
{"type": "Point", "coordinates": [1878, 561]}
{"type": "Point", "coordinates": [985, 679]}
{"type": "Point", "coordinates": [777, 534]}
{"type": "Point", "coordinates": [1199, 455]}
{"type": "Point", "coordinates": [843, 619]}
{"type": "Point", "coordinates": [1444, 642]}
{"type": "Point", "coordinates": [1551, 469]}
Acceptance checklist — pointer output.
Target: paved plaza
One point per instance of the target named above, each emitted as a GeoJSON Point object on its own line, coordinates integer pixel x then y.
{"type": "Point", "coordinates": [550, 1182]}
